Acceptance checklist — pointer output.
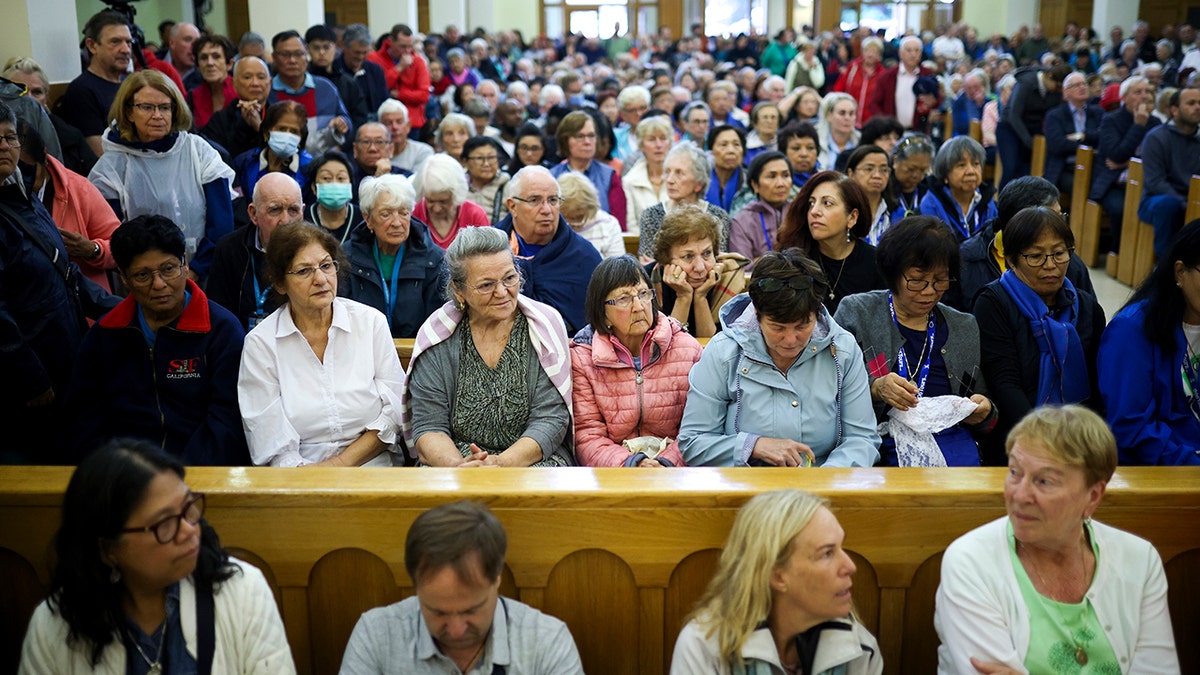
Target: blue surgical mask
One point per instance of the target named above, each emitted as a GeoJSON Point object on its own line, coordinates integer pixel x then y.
{"type": "Point", "coordinates": [283, 144]}
{"type": "Point", "coordinates": [333, 195]}
{"type": "Point", "coordinates": [576, 100]}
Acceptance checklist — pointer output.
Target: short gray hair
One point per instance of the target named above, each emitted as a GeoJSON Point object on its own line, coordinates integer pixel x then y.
{"type": "Point", "coordinates": [251, 38]}
{"type": "Point", "coordinates": [654, 125]}
{"type": "Point", "coordinates": [698, 160]}
{"type": "Point", "coordinates": [518, 181]}
{"type": "Point", "coordinates": [454, 119]}
{"type": "Point", "coordinates": [516, 88]}
{"type": "Point", "coordinates": [370, 125]}
{"type": "Point", "coordinates": [392, 106]}
{"type": "Point", "coordinates": [471, 242]}
{"type": "Point", "coordinates": [832, 99]}
{"type": "Point", "coordinates": [634, 93]}
{"type": "Point", "coordinates": [952, 151]}
{"type": "Point", "coordinates": [356, 34]}
{"type": "Point", "coordinates": [441, 173]}
{"type": "Point", "coordinates": [397, 187]}
{"type": "Point", "coordinates": [1130, 82]}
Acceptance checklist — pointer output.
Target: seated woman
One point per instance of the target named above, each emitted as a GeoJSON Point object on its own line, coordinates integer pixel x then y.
{"type": "Point", "coordinates": [528, 150]}
{"type": "Point", "coordinates": [320, 380]}
{"type": "Point", "coordinates": [836, 127]}
{"type": "Point", "coordinates": [764, 127]}
{"type": "Point", "coordinates": [911, 159]}
{"type": "Point", "coordinates": [1039, 334]}
{"type": "Point", "coordinates": [799, 141]}
{"type": "Point", "coordinates": [138, 568]}
{"type": "Point", "coordinates": [630, 370]}
{"type": "Point", "coordinates": [581, 209]}
{"type": "Point", "coordinates": [330, 195]}
{"type": "Point", "coordinates": [827, 221]}
{"type": "Point", "coordinates": [686, 175]}
{"type": "Point", "coordinates": [644, 182]}
{"type": "Point", "coordinates": [782, 385]}
{"type": "Point", "coordinates": [488, 383]}
{"type": "Point", "coordinates": [1149, 376]}
{"type": "Point", "coordinates": [394, 265]}
{"type": "Point", "coordinates": [870, 167]}
{"type": "Point", "coordinates": [484, 177]}
{"type": "Point", "coordinates": [962, 200]}
{"type": "Point", "coordinates": [1047, 589]}
{"type": "Point", "coordinates": [283, 132]}
{"type": "Point", "coordinates": [727, 146]}
{"type": "Point", "coordinates": [780, 599]}
{"type": "Point", "coordinates": [452, 134]}
{"type": "Point", "coordinates": [576, 139]}
{"type": "Point", "coordinates": [755, 229]}
{"type": "Point", "coordinates": [442, 204]}
{"type": "Point", "coordinates": [881, 131]}
{"type": "Point", "coordinates": [915, 347]}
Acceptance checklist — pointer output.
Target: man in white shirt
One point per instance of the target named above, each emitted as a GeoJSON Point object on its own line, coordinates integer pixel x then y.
{"type": "Point", "coordinates": [457, 622]}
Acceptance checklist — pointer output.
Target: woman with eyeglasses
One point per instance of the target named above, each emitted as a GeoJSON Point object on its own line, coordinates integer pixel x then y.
{"type": "Point", "coordinates": [870, 167]}
{"type": "Point", "coordinates": [394, 265]}
{"type": "Point", "coordinates": [629, 367]}
{"type": "Point", "coordinates": [1039, 334]}
{"type": "Point", "coordinates": [576, 138]}
{"type": "Point", "coordinates": [320, 380]}
{"type": "Point", "coordinates": [141, 583]}
{"type": "Point", "coordinates": [485, 180]}
{"type": "Point", "coordinates": [442, 202]}
{"type": "Point", "coordinates": [528, 150]}
{"type": "Point", "coordinates": [911, 159]}
{"type": "Point", "coordinates": [283, 133]}
{"type": "Point", "coordinates": [782, 384]}
{"type": "Point", "coordinates": [489, 383]}
{"type": "Point", "coordinates": [917, 348]}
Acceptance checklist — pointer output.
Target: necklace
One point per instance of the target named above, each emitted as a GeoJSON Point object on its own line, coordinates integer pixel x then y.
{"type": "Point", "coordinates": [841, 269]}
{"type": "Point", "coordinates": [156, 664]}
{"type": "Point", "coordinates": [1081, 656]}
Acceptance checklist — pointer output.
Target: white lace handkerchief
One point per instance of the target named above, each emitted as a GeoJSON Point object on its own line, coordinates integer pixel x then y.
{"type": "Point", "coordinates": [913, 429]}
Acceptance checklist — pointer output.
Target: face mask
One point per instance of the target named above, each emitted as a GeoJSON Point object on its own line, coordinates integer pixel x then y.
{"type": "Point", "coordinates": [333, 195]}
{"type": "Point", "coordinates": [283, 144]}
{"type": "Point", "coordinates": [576, 100]}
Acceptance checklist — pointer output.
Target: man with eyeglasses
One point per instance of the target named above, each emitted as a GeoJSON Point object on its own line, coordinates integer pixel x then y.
{"type": "Point", "coordinates": [328, 119]}
{"type": "Point", "coordinates": [373, 154]}
{"type": "Point", "coordinates": [237, 279]}
{"type": "Point", "coordinates": [1072, 123]}
{"type": "Point", "coordinates": [163, 365]}
{"type": "Point", "coordinates": [556, 261]}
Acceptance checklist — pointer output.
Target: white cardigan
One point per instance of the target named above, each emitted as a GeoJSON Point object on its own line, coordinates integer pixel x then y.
{"type": "Point", "coordinates": [980, 612]}
{"type": "Point", "coordinates": [249, 633]}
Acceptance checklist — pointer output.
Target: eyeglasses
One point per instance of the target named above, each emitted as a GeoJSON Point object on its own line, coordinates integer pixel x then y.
{"type": "Point", "coordinates": [1039, 259]}
{"type": "Point", "coordinates": [490, 159]}
{"type": "Point", "coordinates": [328, 268]}
{"type": "Point", "coordinates": [489, 287]}
{"type": "Point", "coordinates": [529, 148]}
{"type": "Point", "coordinates": [537, 202]}
{"type": "Point", "coordinates": [882, 170]}
{"type": "Point", "coordinates": [918, 285]}
{"type": "Point", "coordinates": [771, 284]}
{"type": "Point", "coordinates": [168, 272]}
{"type": "Point", "coordinates": [291, 55]}
{"type": "Point", "coordinates": [373, 142]}
{"type": "Point", "coordinates": [584, 137]}
{"type": "Point", "coordinates": [13, 140]}
{"type": "Point", "coordinates": [150, 108]}
{"type": "Point", "coordinates": [166, 529]}
{"type": "Point", "coordinates": [643, 296]}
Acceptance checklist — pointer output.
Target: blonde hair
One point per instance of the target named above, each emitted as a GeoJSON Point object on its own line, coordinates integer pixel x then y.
{"type": "Point", "coordinates": [739, 596]}
{"type": "Point", "coordinates": [576, 189]}
{"type": "Point", "coordinates": [1072, 435]}
{"type": "Point", "coordinates": [181, 115]}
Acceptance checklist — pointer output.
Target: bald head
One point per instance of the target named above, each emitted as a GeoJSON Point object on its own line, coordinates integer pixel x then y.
{"type": "Point", "coordinates": [276, 201]}
{"type": "Point", "coordinates": [251, 79]}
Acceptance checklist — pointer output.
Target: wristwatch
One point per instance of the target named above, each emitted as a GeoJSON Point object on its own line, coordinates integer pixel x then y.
{"type": "Point", "coordinates": [95, 253]}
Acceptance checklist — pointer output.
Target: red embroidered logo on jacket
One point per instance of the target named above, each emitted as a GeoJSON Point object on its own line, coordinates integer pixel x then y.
{"type": "Point", "coordinates": [183, 369]}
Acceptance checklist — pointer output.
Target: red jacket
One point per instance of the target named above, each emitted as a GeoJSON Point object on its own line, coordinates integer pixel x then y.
{"type": "Point", "coordinates": [858, 84]}
{"type": "Point", "coordinates": [883, 95]}
{"type": "Point", "coordinates": [611, 406]}
{"type": "Point", "coordinates": [410, 87]}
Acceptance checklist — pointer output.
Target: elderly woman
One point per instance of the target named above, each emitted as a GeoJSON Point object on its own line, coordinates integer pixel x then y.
{"type": "Point", "coordinates": [1048, 589]}
{"type": "Point", "coordinates": [799, 141]}
{"type": "Point", "coordinates": [783, 384]}
{"type": "Point", "coordinates": [283, 133]}
{"type": "Point", "coordinates": [148, 143]}
{"type": "Point", "coordinates": [630, 370]}
{"type": "Point", "coordinates": [442, 192]}
{"type": "Point", "coordinates": [452, 134]}
{"type": "Point", "coordinates": [727, 146]}
{"type": "Point", "coordinates": [645, 183]}
{"type": "Point", "coordinates": [134, 559]}
{"type": "Point", "coordinates": [485, 180]}
{"type": "Point", "coordinates": [827, 221]}
{"type": "Point", "coordinates": [836, 128]}
{"type": "Point", "coordinates": [755, 228]}
{"type": "Point", "coordinates": [870, 167]}
{"type": "Point", "coordinates": [911, 159]}
{"type": "Point", "coordinates": [576, 138]}
{"type": "Point", "coordinates": [780, 599]}
{"type": "Point", "coordinates": [960, 199]}
{"type": "Point", "coordinates": [1039, 334]}
{"type": "Point", "coordinates": [764, 125]}
{"type": "Point", "coordinates": [1148, 372]}
{"type": "Point", "coordinates": [320, 380]}
{"type": "Point", "coordinates": [529, 149]}
{"type": "Point", "coordinates": [330, 195]}
{"type": "Point", "coordinates": [489, 382]}
{"type": "Point", "coordinates": [686, 176]}
{"type": "Point", "coordinates": [214, 56]}
{"type": "Point", "coordinates": [918, 348]}
{"type": "Point", "coordinates": [581, 209]}
{"type": "Point", "coordinates": [394, 265]}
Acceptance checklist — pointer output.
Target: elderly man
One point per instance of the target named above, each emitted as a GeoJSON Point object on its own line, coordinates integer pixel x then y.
{"type": "Point", "coordinates": [1074, 123]}
{"type": "Point", "coordinates": [457, 622]}
{"type": "Point", "coordinates": [235, 127]}
{"type": "Point", "coordinates": [721, 100]}
{"type": "Point", "coordinates": [967, 107]}
{"type": "Point", "coordinates": [405, 71]}
{"type": "Point", "coordinates": [373, 154]}
{"type": "Point", "coordinates": [407, 154]}
{"type": "Point", "coordinates": [353, 61]}
{"type": "Point", "coordinates": [1170, 156]}
{"type": "Point", "coordinates": [179, 53]}
{"type": "Point", "coordinates": [556, 261]}
{"type": "Point", "coordinates": [328, 119]}
{"type": "Point", "coordinates": [893, 93]}
{"type": "Point", "coordinates": [237, 279]}
{"type": "Point", "coordinates": [163, 365]}
{"type": "Point", "coordinates": [1121, 134]}
{"type": "Point", "coordinates": [632, 102]}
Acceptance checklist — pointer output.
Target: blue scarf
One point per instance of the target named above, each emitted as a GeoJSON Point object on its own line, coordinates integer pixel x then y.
{"type": "Point", "coordinates": [1063, 374]}
{"type": "Point", "coordinates": [723, 199]}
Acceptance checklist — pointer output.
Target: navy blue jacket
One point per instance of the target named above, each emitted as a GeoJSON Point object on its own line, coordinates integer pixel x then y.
{"type": "Point", "coordinates": [939, 203]}
{"type": "Point", "coordinates": [1059, 124]}
{"type": "Point", "coordinates": [421, 279]}
{"type": "Point", "coordinates": [1120, 139]}
{"type": "Point", "coordinates": [1169, 158]}
{"type": "Point", "coordinates": [559, 274]}
{"type": "Point", "coordinates": [979, 268]}
{"type": "Point", "coordinates": [181, 395]}
{"type": "Point", "coordinates": [371, 82]}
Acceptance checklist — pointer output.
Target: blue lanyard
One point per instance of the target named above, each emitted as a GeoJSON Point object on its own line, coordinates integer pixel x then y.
{"type": "Point", "coordinates": [963, 226]}
{"type": "Point", "coordinates": [902, 360]}
{"type": "Point", "coordinates": [766, 237]}
{"type": "Point", "coordinates": [389, 298]}
{"type": "Point", "coordinates": [260, 294]}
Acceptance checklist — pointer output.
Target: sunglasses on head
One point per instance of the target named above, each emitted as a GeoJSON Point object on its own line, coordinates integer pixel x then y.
{"type": "Point", "coordinates": [771, 284]}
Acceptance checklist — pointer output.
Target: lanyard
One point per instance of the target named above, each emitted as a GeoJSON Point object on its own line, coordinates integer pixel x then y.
{"type": "Point", "coordinates": [766, 237]}
{"type": "Point", "coordinates": [260, 294]}
{"type": "Point", "coordinates": [910, 209]}
{"type": "Point", "coordinates": [923, 363]}
{"type": "Point", "coordinates": [1191, 381]}
{"type": "Point", "coordinates": [389, 297]}
{"type": "Point", "coordinates": [964, 227]}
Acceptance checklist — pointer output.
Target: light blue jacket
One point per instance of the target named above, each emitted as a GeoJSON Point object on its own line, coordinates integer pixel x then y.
{"type": "Point", "coordinates": [737, 395]}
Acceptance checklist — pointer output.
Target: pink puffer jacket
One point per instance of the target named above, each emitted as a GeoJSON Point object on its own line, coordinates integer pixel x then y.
{"type": "Point", "coordinates": [614, 402]}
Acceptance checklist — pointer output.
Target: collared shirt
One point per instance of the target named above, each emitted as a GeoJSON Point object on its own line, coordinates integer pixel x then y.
{"type": "Point", "coordinates": [278, 85]}
{"type": "Point", "coordinates": [906, 100]}
{"type": "Point", "coordinates": [1079, 116]}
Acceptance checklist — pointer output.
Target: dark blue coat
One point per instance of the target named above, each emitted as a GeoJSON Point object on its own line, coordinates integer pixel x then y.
{"type": "Point", "coordinates": [421, 281]}
{"type": "Point", "coordinates": [1059, 124]}
{"type": "Point", "coordinates": [559, 274]}
{"type": "Point", "coordinates": [1120, 139]}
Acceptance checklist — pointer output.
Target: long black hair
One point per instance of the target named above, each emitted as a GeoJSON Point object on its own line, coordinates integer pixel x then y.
{"type": "Point", "coordinates": [1164, 299]}
{"type": "Point", "coordinates": [105, 489]}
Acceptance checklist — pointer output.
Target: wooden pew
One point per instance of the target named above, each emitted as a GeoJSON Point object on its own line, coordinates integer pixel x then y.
{"type": "Point", "coordinates": [404, 349]}
{"type": "Point", "coordinates": [620, 555]}
{"type": "Point", "coordinates": [631, 243]}
{"type": "Point", "coordinates": [1130, 225]}
{"type": "Point", "coordinates": [1085, 222]}
{"type": "Point", "coordinates": [976, 131]}
{"type": "Point", "coordinates": [1193, 203]}
{"type": "Point", "coordinates": [1037, 160]}
{"type": "Point", "coordinates": [1143, 252]}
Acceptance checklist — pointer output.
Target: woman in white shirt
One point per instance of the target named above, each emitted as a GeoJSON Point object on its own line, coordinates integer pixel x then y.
{"type": "Point", "coordinates": [320, 380]}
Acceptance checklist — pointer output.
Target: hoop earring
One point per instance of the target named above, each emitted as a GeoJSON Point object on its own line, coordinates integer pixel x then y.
{"type": "Point", "coordinates": [114, 577]}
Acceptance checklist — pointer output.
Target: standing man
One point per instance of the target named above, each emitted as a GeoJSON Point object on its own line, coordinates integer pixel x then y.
{"type": "Point", "coordinates": [405, 72]}
{"type": "Point", "coordinates": [321, 62]}
{"type": "Point", "coordinates": [1121, 134]}
{"type": "Point", "coordinates": [179, 53]}
{"type": "Point", "coordinates": [893, 92]}
{"type": "Point", "coordinates": [1074, 123]}
{"type": "Point", "coordinates": [87, 99]}
{"type": "Point", "coordinates": [1170, 155]}
{"type": "Point", "coordinates": [328, 119]}
{"type": "Point", "coordinates": [353, 61]}
{"type": "Point", "coordinates": [1037, 91]}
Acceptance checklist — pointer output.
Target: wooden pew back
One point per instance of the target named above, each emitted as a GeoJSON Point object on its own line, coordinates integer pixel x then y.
{"type": "Point", "coordinates": [1193, 203]}
{"type": "Point", "coordinates": [1084, 223]}
{"type": "Point", "coordinates": [620, 555]}
{"type": "Point", "coordinates": [1037, 161]}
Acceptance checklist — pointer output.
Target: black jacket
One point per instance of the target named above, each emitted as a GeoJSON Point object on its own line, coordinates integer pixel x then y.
{"type": "Point", "coordinates": [978, 269]}
{"type": "Point", "coordinates": [1119, 141]}
{"type": "Point", "coordinates": [421, 280]}
{"type": "Point", "coordinates": [230, 279]}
